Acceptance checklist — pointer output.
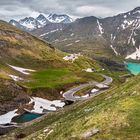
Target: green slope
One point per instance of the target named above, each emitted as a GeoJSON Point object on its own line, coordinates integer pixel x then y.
{"type": "Point", "coordinates": [115, 113]}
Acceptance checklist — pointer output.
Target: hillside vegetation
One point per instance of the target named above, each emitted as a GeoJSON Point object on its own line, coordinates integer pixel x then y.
{"type": "Point", "coordinates": [115, 114]}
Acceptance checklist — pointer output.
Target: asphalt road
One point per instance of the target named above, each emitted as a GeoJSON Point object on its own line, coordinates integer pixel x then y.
{"type": "Point", "coordinates": [69, 95]}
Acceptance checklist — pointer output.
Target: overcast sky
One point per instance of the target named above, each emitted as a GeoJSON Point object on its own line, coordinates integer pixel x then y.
{"type": "Point", "coordinates": [16, 9]}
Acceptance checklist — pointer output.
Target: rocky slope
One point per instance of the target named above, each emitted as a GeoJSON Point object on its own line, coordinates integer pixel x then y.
{"type": "Point", "coordinates": [118, 35]}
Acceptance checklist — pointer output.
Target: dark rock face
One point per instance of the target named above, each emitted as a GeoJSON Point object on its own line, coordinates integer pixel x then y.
{"type": "Point", "coordinates": [12, 96]}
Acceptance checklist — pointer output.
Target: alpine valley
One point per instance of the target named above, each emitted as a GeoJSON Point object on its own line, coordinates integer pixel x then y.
{"type": "Point", "coordinates": [118, 35]}
{"type": "Point", "coordinates": [70, 79]}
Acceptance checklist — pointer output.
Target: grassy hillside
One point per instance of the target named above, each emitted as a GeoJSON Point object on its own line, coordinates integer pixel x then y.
{"type": "Point", "coordinates": [52, 73]}
{"type": "Point", "coordinates": [115, 113]}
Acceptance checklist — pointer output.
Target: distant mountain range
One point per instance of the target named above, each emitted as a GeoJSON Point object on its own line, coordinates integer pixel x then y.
{"type": "Point", "coordinates": [118, 35]}
{"type": "Point", "coordinates": [30, 23]}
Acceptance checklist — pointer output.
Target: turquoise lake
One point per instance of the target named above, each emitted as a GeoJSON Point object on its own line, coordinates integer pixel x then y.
{"type": "Point", "coordinates": [26, 117]}
{"type": "Point", "coordinates": [134, 68]}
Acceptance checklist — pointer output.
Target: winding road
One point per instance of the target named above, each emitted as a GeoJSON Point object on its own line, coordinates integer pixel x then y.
{"type": "Point", "coordinates": [69, 95]}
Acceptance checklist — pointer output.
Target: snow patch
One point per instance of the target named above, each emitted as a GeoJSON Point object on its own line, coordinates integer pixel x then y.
{"type": "Point", "coordinates": [94, 90]}
{"type": "Point", "coordinates": [16, 78]}
{"type": "Point", "coordinates": [72, 34]}
{"type": "Point", "coordinates": [100, 27]}
{"type": "Point", "coordinates": [77, 41]}
{"type": "Point", "coordinates": [135, 55]}
{"type": "Point", "coordinates": [40, 104]}
{"type": "Point", "coordinates": [22, 70]}
{"type": "Point", "coordinates": [50, 32]}
{"type": "Point", "coordinates": [89, 70]}
{"type": "Point", "coordinates": [134, 42]}
{"type": "Point", "coordinates": [7, 118]}
{"type": "Point", "coordinates": [85, 96]}
{"type": "Point", "coordinates": [125, 16]}
{"type": "Point", "coordinates": [114, 50]}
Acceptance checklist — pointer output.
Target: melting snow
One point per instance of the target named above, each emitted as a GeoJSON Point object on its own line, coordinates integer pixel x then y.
{"type": "Point", "coordinates": [7, 118]}
{"type": "Point", "coordinates": [100, 27]}
{"type": "Point", "coordinates": [94, 90]}
{"type": "Point", "coordinates": [16, 78]}
{"type": "Point", "coordinates": [22, 70]}
{"type": "Point", "coordinates": [114, 50]}
{"type": "Point", "coordinates": [126, 23]}
{"type": "Point", "coordinates": [134, 42]}
{"type": "Point", "coordinates": [85, 96]}
{"type": "Point", "coordinates": [40, 104]}
{"type": "Point", "coordinates": [135, 55]}
{"type": "Point", "coordinates": [89, 70]}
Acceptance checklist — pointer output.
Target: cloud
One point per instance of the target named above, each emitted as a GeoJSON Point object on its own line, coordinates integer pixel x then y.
{"type": "Point", "coordinates": [16, 9]}
{"type": "Point", "coordinates": [88, 10]}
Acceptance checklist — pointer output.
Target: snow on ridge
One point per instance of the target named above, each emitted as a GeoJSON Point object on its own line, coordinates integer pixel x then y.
{"type": "Point", "coordinates": [7, 118]}
{"type": "Point", "coordinates": [40, 104]}
{"type": "Point", "coordinates": [22, 70]}
{"type": "Point", "coordinates": [100, 27]}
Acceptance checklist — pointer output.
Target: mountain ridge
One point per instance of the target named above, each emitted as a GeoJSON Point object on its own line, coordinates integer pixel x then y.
{"type": "Point", "coordinates": [121, 32]}
{"type": "Point", "coordinates": [30, 23]}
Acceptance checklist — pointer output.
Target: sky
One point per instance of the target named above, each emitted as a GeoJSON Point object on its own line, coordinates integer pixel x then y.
{"type": "Point", "coordinates": [17, 9]}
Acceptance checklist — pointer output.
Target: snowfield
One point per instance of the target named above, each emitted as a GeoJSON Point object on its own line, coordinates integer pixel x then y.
{"type": "Point", "coordinates": [22, 70]}
{"type": "Point", "coordinates": [40, 104]}
{"type": "Point", "coordinates": [7, 118]}
{"type": "Point", "coordinates": [135, 55]}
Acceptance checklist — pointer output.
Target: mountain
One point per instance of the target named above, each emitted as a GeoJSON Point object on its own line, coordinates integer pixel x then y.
{"type": "Point", "coordinates": [30, 23]}
{"type": "Point", "coordinates": [42, 20]}
{"type": "Point", "coordinates": [54, 18]}
{"type": "Point", "coordinates": [116, 36]}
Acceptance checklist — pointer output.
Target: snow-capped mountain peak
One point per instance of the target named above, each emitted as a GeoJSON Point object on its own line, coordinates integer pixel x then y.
{"type": "Point", "coordinates": [54, 18]}
{"type": "Point", "coordinates": [30, 23]}
{"type": "Point", "coordinates": [42, 20]}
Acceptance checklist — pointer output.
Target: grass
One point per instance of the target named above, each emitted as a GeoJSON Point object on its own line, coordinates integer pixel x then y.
{"type": "Point", "coordinates": [57, 78]}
